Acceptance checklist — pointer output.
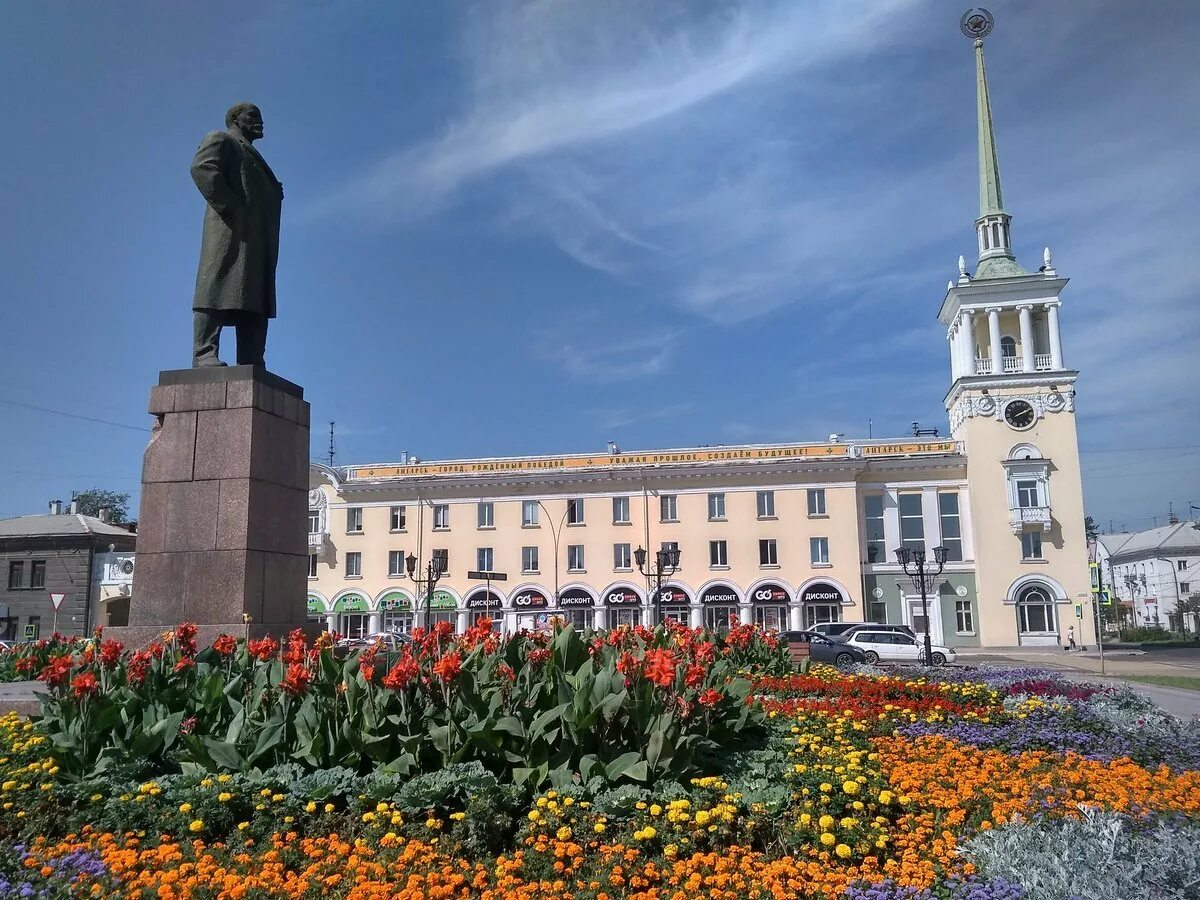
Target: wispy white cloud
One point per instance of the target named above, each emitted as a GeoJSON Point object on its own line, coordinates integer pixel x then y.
{"type": "Point", "coordinates": [619, 360]}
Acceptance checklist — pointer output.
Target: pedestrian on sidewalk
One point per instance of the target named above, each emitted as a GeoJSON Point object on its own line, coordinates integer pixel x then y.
{"type": "Point", "coordinates": [1071, 638]}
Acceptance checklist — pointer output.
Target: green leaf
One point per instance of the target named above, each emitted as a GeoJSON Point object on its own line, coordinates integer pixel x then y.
{"type": "Point", "coordinates": [619, 766]}
{"type": "Point", "coordinates": [224, 754]}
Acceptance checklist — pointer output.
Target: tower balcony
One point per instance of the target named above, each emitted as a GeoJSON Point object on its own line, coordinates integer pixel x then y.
{"type": "Point", "coordinates": [1019, 517]}
{"type": "Point", "coordinates": [318, 542]}
{"type": "Point", "coordinates": [1042, 362]}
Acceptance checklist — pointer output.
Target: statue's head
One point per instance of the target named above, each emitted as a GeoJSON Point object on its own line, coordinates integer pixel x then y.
{"type": "Point", "coordinates": [246, 118]}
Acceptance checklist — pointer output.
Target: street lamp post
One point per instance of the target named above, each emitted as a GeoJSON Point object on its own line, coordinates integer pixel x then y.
{"type": "Point", "coordinates": [434, 570]}
{"type": "Point", "coordinates": [913, 564]}
{"type": "Point", "coordinates": [666, 564]}
{"type": "Point", "coordinates": [556, 533]}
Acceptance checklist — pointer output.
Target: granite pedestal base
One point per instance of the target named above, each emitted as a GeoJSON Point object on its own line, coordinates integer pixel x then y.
{"type": "Point", "coordinates": [222, 533]}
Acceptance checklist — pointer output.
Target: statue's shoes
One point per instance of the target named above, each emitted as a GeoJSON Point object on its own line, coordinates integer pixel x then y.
{"type": "Point", "coordinates": [207, 362]}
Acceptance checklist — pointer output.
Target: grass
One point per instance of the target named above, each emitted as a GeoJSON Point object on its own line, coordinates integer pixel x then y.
{"type": "Point", "coordinates": [1187, 682]}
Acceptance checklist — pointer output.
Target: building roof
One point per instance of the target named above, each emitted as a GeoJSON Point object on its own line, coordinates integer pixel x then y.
{"type": "Point", "coordinates": [66, 525]}
{"type": "Point", "coordinates": [1181, 539]}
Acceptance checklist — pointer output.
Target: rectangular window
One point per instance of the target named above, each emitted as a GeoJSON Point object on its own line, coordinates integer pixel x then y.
{"type": "Point", "coordinates": [964, 617]}
{"type": "Point", "coordinates": [620, 510]}
{"type": "Point", "coordinates": [716, 507]}
{"type": "Point", "coordinates": [398, 518]}
{"type": "Point", "coordinates": [37, 573]}
{"type": "Point", "coordinates": [1182, 565]}
{"type": "Point", "coordinates": [668, 507]}
{"type": "Point", "coordinates": [912, 522]}
{"type": "Point", "coordinates": [670, 547]}
{"type": "Point", "coordinates": [441, 561]}
{"type": "Point", "coordinates": [951, 526]}
{"type": "Point", "coordinates": [766, 504]}
{"type": "Point", "coordinates": [768, 553]}
{"type": "Point", "coordinates": [395, 563]}
{"type": "Point", "coordinates": [816, 502]}
{"type": "Point", "coordinates": [314, 521]}
{"type": "Point", "coordinates": [353, 565]}
{"type": "Point", "coordinates": [878, 612]}
{"type": "Point", "coordinates": [312, 565]}
{"type": "Point", "coordinates": [486, 515]}
{"type": "Point", "coordinates": [16, 576]}
{"type": "Point", "coordinates": [529, 559]}
{"type": "Point", "coordinates": [873, 510]}
{"type": "Point", "coordinates": [818, 549]}
{"type": "Point", "coordinates": [1028, 494]}
{"type": "Point", "coordinates": [354, 520]}
{"type": "Point", "coordinates": [1031, 545]}
{"type": "Point", "coordinates": [718, 554]}
{"type": "Point", "coordinates": [441, 516]}
{"type": "Point", "coordinates": [529, 513]}
{"type": "Point", "coordinates": [484, 559]}
{"type": "Point", "coordinates": [575, 512]}
{"type": "Point", "coordinates": [575, 558]}
{"type": "Point", "coordinates": [622, 558]}
{"type": "Point", "coordinates": [1185, 587]}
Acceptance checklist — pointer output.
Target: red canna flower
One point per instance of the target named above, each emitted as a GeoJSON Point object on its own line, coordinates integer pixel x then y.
{"type": "Point", "coordinates": [139, 665]}
{"type": "Point", "coordinates": [660, 667]}
{"type": "Point", "coordinates": [263, 649]}
{"type": "Point", "coordinates": [225, 644]}
{"type": "Point", "coordinates": [26, 664]}
{"type": "Point", "coordinates": [366, 663]}
{"type": "Point", "coordinates": [297, 647]}
{"type": "Point", "coordinates": [184, 664]}
{"type": "Point", "coordinates": [404, 671]}
{"type": "Point", "coordinates": [57, 671]}
{"type": "Point", "coordinates": [539, 656]}
{"type": "Point", "coordinates": [629, 666]}
{"type": "Point", "coordinates": [185, 638]}
{"type": "Point", "coordinates": [188, 725]}
{"type": "Point", "coordinates": [710, 698]}
{"type": "Point", "coordinates": [695, 675]}
{"type": "Point", "coordinates": [110, 653]}
{"type": "Point", "coordinates": [505, 671]}
{"type": "Point", "coordinates": [84, 685]}
{"type": "Point", "coordinates": [295, 682]}
{"type": "Point", "coordinates": [443, 629]}
{"type": "Point", "coordinates": [448, 667]}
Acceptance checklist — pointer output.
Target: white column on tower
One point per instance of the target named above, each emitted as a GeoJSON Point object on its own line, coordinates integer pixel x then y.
{"type": "Point", "coordinates": [1026, 313]}
{"type": "Point", "coordinates": [1056, 362]}
{"type": "Point", "coordinates": [969, 344]}
{"type": "Point", "coordinates": [952, 340]}
{"type": "Point", "coordinates": [993, 313]}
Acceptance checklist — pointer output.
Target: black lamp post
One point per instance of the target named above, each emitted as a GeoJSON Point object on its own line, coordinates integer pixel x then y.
{"type": "Point", "coordinates": [434, 570]}
{"type": "Point", "coordinates": [666, 564]}
{"type": "Point", "coordinates": [913, 564]}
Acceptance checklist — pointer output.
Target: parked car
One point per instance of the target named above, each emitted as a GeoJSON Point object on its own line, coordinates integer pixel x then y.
{"type": "Point", "coordinates": [871, 626]}
{"type": "Point", "coordinates": [894, 646]}
{"type": "Point", "coordinates": [389, 641]}
{"type": "Point", "coordinates": [823, 650]}
{"type": "Point", "coordinates": [832, 629]}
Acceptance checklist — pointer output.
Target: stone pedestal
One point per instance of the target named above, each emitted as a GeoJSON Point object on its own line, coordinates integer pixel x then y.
{"type": "Point", "coordinates": [223, 525]}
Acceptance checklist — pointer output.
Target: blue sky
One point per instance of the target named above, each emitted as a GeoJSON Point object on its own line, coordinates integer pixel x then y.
{"type": "Point", "coordinates": [519, 228]}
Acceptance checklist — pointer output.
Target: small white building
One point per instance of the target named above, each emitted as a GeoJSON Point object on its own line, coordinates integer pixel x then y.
{"type": "Point", "coordinates": [112, 586]}
{"type": "Point", "coordinates": [1156, 572]}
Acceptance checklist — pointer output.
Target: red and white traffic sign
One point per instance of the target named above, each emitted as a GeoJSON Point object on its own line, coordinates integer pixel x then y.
{"type": "Point", "coordinates": [57, 600]}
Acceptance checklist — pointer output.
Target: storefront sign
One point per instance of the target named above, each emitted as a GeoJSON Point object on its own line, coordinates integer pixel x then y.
{"type": "Point", "coordinates": [530, 599]}
{"type": "Point", "coordinates": [909, 448]}
{"type": "Point", "coordinates": [483, 600]}
{"type": "Point", "coordinates": [396, 600]}
{"type": "Point", "coordinates": [351, 603]}
{"type": "Point", "coordinates": [770, 593]}
{"type": "Point", "coordinates": [673, 596]}
{"type": "Point", "coordinates": [443, 600]}
{"type": "Point", "coordinates": [719, 595]}
{"type": "Point", "coordinates": [575, 598]}
{"type": "Point", "coordinates": [821, 592]}
{"type": "Point", "coordinates": [622, 597]}
{"type": "Point", "coordinates": [315, 606]}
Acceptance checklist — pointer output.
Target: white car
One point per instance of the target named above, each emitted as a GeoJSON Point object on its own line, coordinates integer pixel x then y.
{"type": "Point", "coordinates": [892, 646]}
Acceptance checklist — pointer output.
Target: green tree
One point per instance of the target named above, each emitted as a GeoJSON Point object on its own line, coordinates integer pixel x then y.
{"type": "Point", "coordinates": [1089, 527]}
{"type": "Point", "coordinates": [93, 500]}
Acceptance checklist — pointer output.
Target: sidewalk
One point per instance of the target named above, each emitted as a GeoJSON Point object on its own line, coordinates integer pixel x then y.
{"type": "Point", "coordinates": [20, 697]}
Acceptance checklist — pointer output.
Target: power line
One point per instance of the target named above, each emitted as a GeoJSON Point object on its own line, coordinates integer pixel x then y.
{"type": "Point", "coordinates": [59, 412]}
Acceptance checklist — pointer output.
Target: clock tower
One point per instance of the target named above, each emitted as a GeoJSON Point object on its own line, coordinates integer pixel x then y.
{"type": "Point", "coordinates": [1012, 405]}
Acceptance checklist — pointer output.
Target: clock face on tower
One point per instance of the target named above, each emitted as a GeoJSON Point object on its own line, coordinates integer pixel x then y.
{"type": "Point", "coordinates": [1019, 414]}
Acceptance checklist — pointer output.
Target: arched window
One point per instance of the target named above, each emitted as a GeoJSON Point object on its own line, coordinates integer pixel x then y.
{"type": "Point", "coordinates": [1035, 611]}
{"type": "Point", "coordinates": [1008, 347]}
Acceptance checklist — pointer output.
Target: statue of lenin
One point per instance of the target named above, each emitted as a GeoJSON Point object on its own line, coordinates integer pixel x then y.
{"type": "Point", "coordinates": [235, 283]}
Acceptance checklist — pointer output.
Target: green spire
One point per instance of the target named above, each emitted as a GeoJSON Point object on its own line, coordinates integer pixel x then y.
{"type": "Point", "coordinates": [991, 199]}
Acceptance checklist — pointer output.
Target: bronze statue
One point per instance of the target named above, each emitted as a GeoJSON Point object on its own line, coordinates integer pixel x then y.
{"type": "Point", "coordinates": [235, 283]}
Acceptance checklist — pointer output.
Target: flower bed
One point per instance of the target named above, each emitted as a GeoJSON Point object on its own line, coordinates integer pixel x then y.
{"type": "Point", "coordinates": [715, 772]}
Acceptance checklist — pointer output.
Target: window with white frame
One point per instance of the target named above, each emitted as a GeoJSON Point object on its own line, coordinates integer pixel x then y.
{"type": "Point", "coordinates": [575, 512]}
{"type": "Point", "coordinates": [312, 565]}
{"type": "Point", "coordinates": [354, 520]}
{"type": "Point", "coordinates": [768, 552]}
{"type": "Point", "coordinates": [575, 558]}
{"type": "Point", "coordinates": [1182, 565]}
{"type": "Point", "coordinates": [818, 549]}
{"type": "Point", "coordinates": [1031, 545]}
{"type": "Point", "coordinates": [765, 501]}
{"type": "Point", "coordinates": [395, 563]}
{"type": "Point", "coordinates": [912, 522]}
{"type": "Point", "coordinates": [1028, 495]}
{"type": "Point", "coordinates": [398, 522]}
{"type": "Point", "coordinates": [622, 557]}
{"type": "Point", "coordinates": [486, 515]}
{"type": "Point", "coordinates": [964, 617]}
{"type": "Point", "coordinates": [484, 559]}
{"type": "Point", "coordinates": [314, 521]}
{"type": "Point", "coordinates": [816, 501]}
{"type": "Point", "coordinates": [620, 510]}
{"type": "Point", "coordinates": [353, 564]}
{"type": "Point", "coordinates": [529, 559]}
{"type": "Point", "coordinates": [718, 554]}
{"type": "Point", "coordinates": [529, 513]}
{"type": "Point", "coordinates": [951, 525]}
{"type": "Point", "coordinates": [668, 507]}
{"type": "Point", "coordinates": [716, 507]}
{"type": "Point", "coordinates": [441, 515]}
{"type": "Point", "coordinates": [873, 516]}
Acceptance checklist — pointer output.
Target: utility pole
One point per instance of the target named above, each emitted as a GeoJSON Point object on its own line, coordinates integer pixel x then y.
{"type": "Point", "coordinates": [331, 424]}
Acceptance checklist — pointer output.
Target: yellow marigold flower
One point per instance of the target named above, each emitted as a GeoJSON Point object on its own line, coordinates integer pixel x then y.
{"type": "Point", "coordinates": [702, 817]}
{"type": "Point", "coordinates": [670, 851]}
{"type": "Point", "coordinates": [598, 828]}
{"type": "Point", "coordinates": [185, 807]}
{"type": "Point", "coordinates": [655, 809]}
{"type": "Point", "coordinates": [207, 782]}
{"type": "Point", "coordinates": [277, 798]}
{"type": "Point", "coordinates": [329, 807]}
{"type": "Point", "coordinates": [456, 816]}
{"type": "Point", "coordinates": [224, 779]}
{"type": "Point", "coordinates": [826, 787]}
{"type": "Point", "coordinates": [311, 806]}
{"type": "Point", "coordinates": [828, 839]}
{"type": "Point", "coordinates": [196, 825]}
{"type": "Point", "coordinates": [224, 797]}
{"type": "Point", "coordinates": [886, 796]}
{"type": "Point", "coordinates": [826, 822]}
{"type": "Point", "coordinates": [534, 815]}
{"type": "Point", "coordinates": [381, 807]}
{"type": "Point", "coordinates": [567, 801]}
{"type": "Point", "coordinates": [843, 851]}
{"type": "Point", "coordinates": [242, 826]}
{"type": "Point", "coordinates": [563, 834]}
{"type": "Point", "coordinates": [850, 787]}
